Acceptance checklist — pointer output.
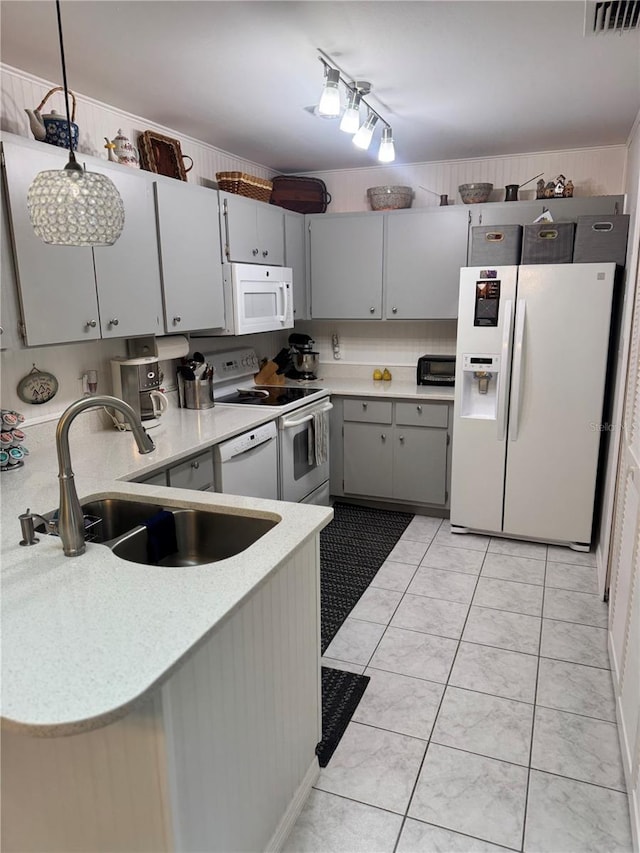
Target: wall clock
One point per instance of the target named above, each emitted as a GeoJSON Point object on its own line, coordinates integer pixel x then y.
{"type": "Point", "coordinates": [37, 386]}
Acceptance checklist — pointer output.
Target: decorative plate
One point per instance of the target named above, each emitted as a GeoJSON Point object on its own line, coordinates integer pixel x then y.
{"type": "Point", "coordinates": [37, 386]}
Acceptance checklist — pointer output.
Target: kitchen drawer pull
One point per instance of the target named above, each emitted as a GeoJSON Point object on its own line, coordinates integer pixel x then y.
{"type": "Point", "coordinates": [114, 322]}
{"type": "Point", "coordinates": [372, 310]}
{"type": "Point", "coordinates": [177, 320]}
{"type": "Point", "coordinates": [419, 408]}
{"type": "Point", "coordinates": [195, 465]}
{"type": "Point", "coordinates": [364, 406]}
{"type": "Point", "coordinates": [91, 323]}
{"type": "Point", "coordinates": [401, 438]}
{"type": "Point", "coordinates": [394, 310]}
{"type": "Point", "coordinates": [254, 252]}
{"type": "Point", "coordinates": [265, 253]}
{"type": "Point", "coordinates": [383, 437]}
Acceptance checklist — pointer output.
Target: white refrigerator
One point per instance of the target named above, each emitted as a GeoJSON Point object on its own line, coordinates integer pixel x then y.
{"type": "Point", "coordinates": [531, 365]}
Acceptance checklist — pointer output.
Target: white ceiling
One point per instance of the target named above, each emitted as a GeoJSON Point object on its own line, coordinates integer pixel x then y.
{"type": "Point", "coordinates": [455, 79]}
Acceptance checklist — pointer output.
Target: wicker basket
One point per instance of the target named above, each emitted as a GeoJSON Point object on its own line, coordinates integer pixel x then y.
{"type": "Point", "coordinates": [247, 185]}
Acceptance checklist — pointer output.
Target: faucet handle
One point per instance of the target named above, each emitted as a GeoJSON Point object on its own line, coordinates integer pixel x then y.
{"type": "Point", "coordinates": [27, 526]}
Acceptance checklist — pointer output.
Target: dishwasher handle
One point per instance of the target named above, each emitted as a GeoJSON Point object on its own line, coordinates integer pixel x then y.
{"type": "Point", "coordinates": [289, 424]}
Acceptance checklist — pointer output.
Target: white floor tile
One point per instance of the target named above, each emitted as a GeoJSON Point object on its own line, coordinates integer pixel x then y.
{"type": "Point", "coordinates": [423, 528]}
{"type": "Point", "coordinates": [471, 794]}
{"type": "Point", "coordinates": [331, 823]}
{"type": "Point", "coordinates": [510, 568]}
{"type": "Point", "coordinates": [566, 576]}
{"type": "Point", "coordinates": [373, 766]}
{"type": "Point", "coordinates": [399, 703]}
{"type": "Point", "coordinates": [376, 605]}
{"type": "Point", "coordinates": [431, 615]}
{"type": "Point", "coordinates": [396, 576]}
{"type": "Point", "coordinates": [453, 559]}
{"type": "Point", "coordinates": [576, 643]}
{"type": "Point", "coordinates": [418, 837]}
{"type": "Point", "coordinates": [509, 595]}
{"type": "Point", "coordinates": [473, 541]}
{"type": "Point", "coordinates": [558, 554]}
{"type": "Point", "coordinates": [416, 654]}
{"type": "Point", "coordinates": [355, 641]}
{"type": "Point", "coordinates": [573, 687]}
{"type": "Point", "coordinates": [570, 606]}
{"type": "Point", "coordinates": [517, 548]}
{"type": "Point", "coordinates": [499, 672]}
{"type": "Point", "coordinates": [345, 665]}
{"type": "Point", "coordinates": [487, 725]}
{"type": "Point", "coordinates": [514, 631]}
{"type": "Point", "coordinates": [408, 551]}
{"type": "Point", "coordinates": [438, 583]}
{"type": "Point", "coordinates": [577, 747]}
{"type": "Point", "coordinates": [575, 818]}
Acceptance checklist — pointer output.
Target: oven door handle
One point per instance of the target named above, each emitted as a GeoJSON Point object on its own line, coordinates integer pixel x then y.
{"type": "Point", "coordinates": [289, 424]}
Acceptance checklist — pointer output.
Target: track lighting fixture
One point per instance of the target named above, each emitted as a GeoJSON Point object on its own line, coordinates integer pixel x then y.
{"type": "Point", "coordinates": [329, 107]}
{"type": "Point", "coordinates": [70, 206]}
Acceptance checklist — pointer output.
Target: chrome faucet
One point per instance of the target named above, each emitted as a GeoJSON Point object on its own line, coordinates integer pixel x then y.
{"type": "Point", "coordinates": [70, 519]}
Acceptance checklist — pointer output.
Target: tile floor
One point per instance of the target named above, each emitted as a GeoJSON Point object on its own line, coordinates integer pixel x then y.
{"type": "Point", "coordinates": [489, 720]}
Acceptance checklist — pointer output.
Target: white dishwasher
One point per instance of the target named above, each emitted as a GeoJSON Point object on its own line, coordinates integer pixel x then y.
{"type": "Point", "coordinates": [248, 464]}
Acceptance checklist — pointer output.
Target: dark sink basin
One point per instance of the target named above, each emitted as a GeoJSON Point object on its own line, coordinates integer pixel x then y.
{"type": "Point", "coordinates": [116, 517]}
{"type": "Point", "coordinates": [202, 537]}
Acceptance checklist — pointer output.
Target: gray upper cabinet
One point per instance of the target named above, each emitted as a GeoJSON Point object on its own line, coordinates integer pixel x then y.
{"type": "Point", "coordinates": [294, 257]}
{"type": "Point", "coordinates": [345, 262]}
{"type": "Point", "coordinates": [58, 297]}
{"type": "Point", "coordinates": [562, 209]}
{"type": "Point", "coordinates": [128, 273]}
{"type": "Point", "coordinates": [190, 256]}
{"type": "Point", "coordinates": [424, 250]}
{"type": "Point", "coordinates": [252, 231]}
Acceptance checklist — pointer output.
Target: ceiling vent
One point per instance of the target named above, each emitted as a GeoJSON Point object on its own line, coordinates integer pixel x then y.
{"type": "Point", "coordinates": [611, 16]}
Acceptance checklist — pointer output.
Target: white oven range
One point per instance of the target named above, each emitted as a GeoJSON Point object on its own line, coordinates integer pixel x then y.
{"type": "Point", "coordinates": [301, 416]}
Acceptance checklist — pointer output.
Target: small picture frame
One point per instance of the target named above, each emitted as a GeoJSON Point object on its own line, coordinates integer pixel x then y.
{"type": "Point", "coordinates": [162, 155]}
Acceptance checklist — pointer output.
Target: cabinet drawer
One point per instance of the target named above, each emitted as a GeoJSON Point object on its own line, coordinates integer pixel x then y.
{"type": "Point", "coordinates": [422, 414]}
{"type": "Point", "coordinates": [157, 479]}
{"type": "Point", "coordinates": [368, 411]}
{"type": "Point", "coordinates": [195, 473]}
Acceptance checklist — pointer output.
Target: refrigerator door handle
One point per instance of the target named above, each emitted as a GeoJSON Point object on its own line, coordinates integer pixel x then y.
{"type": "Point", "coordinates": [514, 425]}
{"type": "Point", "coordinates": [505, 359]}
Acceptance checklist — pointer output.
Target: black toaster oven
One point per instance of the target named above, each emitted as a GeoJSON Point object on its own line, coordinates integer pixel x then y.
{"type": "Point", "coordinates": [436, 370]}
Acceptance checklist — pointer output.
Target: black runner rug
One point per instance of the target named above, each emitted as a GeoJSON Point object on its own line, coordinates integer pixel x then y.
{"type": "Point", "coordinates": [352, 548]}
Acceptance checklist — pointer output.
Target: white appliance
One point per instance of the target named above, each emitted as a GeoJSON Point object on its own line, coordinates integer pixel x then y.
{"type": "Point", "coordinates": [248, 464]}
{"type": "Point", "coordinates": [531, 365]}
{"type": "Point", "coordinates": [257, 299]}
{"type": "Point", "coordinates": [301, 413]}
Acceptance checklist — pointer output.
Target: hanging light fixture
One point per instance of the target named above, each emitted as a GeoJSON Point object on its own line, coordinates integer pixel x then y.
{"type": "Point", "coordinates": [329, 104]}
{"type": "Point", "coordinates": [329, 107]}
{"type": "Point", "coordinates": [387, 151]}
{"type": "Point", "coordinates": [363, 137]}
{"type": "Point", "coordinates": [70, 206]}
{"type": "Point", "coordinates": [351, 117]}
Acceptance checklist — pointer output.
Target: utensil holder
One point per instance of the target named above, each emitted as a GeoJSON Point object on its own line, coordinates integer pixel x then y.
{"type": "Point", "coordinates": [195, 393]}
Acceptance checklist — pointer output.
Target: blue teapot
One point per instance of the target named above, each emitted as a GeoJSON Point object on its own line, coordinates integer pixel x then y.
{"type": "Point", "coordinates": [52, 128]}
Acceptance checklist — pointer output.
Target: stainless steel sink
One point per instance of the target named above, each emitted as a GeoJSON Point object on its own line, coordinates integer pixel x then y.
{"type": "Point", "coordinates": [202, 537]}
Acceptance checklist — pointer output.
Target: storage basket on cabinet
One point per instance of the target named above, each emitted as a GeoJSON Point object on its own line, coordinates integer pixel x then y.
{"type": "Point", "coordinates": [247, 185]}
{"type": "Point", "coordinates": [548, 243]}
{"type": "Point", "coordinates": [495, 245]}
{"type": "Point", "coordinates": [601, 239]}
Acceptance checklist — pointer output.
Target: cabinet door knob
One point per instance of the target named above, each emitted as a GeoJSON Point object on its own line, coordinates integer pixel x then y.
{"type": "Point", "coordinates": [177, 319]}
{"type": "Point", "coordinates": [254, 252]}
{"type": "Point", "coordinates": [114, 322]}
{"type": "Point", "coordinates": [195, 465]}
{"type": "Point", "coordinates": [401, 438]}
{"type": "Point", "coordinates": [419, 408]}
{"type": "Point", "coordinates": [372, 310]}
{"type": "Point", "coordinates": [265, 253]}
{"type": "Point", "coordinates": [394, 310]}
{"type": "Point", "coordinates": [91, 323]}
{"type": "Point", "coordinates": [383, 437]}
{"type": "Point", "coordinates": [364, 406]}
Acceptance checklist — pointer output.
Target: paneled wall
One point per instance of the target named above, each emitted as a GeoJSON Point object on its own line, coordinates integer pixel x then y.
{"type": "Point", "coordinates": [594, 171]}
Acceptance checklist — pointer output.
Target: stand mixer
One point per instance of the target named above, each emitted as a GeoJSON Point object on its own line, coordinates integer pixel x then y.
{"type": "Point", "coordinates": [304, 360]}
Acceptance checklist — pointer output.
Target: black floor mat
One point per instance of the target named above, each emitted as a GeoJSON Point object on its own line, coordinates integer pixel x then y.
{"type": "Point", "coordinates": [341, 692]}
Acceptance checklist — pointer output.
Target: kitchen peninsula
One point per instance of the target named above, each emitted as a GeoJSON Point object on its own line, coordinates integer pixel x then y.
{"type": "Point", "coordinates": [153, 708]}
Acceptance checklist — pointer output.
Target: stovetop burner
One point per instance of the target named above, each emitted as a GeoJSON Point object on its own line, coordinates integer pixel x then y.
{"type": "Point", "coordinates": [266, 395]}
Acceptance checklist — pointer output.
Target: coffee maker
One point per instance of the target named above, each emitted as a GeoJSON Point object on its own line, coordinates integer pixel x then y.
{"type": "Point", "coordinates": [137, 382]}
{"type": "Point", "coordinates": [304, 360]}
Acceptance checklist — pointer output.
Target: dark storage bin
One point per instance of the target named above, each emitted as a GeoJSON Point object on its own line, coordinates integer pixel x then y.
{"type": "Point", "coordinates": [495, 245]}
{"type": "Point", "coordinates": [548, 243]}
{"type": "Point", "coordinates": [302, 195]}
{"type": "Point", "coordinates": [601, 239]}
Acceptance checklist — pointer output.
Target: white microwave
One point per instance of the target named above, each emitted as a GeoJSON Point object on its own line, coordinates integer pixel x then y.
{"type": "Point", "coordinates": [257, 298]}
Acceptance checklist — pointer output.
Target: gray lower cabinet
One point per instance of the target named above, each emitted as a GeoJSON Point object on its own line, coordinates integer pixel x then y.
{"type": "Point", "coordinates": [252, 231]}
{"type": "Point", "coordinates": [424, 250]}
{"type": "Point", "coordinates": [294, 257]}
{"type": "Point", "coordinates": [70, 293]}
{"type": "Point", "coordinates": [345, 265]}
{"type": "Point", "coordinates": [396, 450]}
{"type": "Point", "coordinates": [190, 256]}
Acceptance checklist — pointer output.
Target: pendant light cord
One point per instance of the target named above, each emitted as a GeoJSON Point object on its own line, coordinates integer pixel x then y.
{"type": "Point", "coordinates": [72, 156]}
